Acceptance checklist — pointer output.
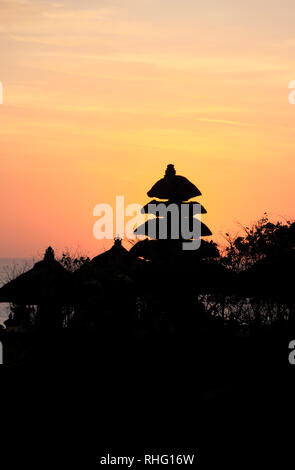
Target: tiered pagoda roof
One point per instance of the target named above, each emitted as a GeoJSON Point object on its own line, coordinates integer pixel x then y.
{"type": "Point", "coordinates": [172, 189]}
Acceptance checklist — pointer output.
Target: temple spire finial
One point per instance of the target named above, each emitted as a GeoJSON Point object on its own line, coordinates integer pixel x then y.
{"type": "Point", "coordinates": [170, 171]}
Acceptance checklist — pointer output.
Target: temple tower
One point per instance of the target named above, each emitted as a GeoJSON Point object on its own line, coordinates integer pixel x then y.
{"type": "Point", "coordinates": [173, 191]}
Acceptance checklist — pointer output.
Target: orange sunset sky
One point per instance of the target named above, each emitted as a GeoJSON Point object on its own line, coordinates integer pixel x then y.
{"type": "Point", "coordinates": [100, 95]}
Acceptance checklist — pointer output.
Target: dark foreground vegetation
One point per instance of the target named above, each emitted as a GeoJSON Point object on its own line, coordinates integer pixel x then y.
{"type": "Point", "coordinates": [197, 340]}
{"type": "Point", "coordinates": [156, 290]}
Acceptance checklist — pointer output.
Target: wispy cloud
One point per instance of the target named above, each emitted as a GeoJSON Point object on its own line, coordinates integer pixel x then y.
{"type": "Point", "coordinates": [224, 121]}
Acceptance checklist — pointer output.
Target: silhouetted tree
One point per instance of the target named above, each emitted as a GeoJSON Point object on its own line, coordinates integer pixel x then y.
{"type": "Point", "coordinates": [263, 239]}
{"type": "Point", "coordinates": [73, 261]}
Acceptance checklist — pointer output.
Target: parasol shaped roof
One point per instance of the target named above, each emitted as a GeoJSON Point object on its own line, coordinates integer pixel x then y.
{"type": "Point", "coordinates": [47, 281]}
{"type": "Point", "coordinates": [154, 249]}
{"type": "Point", "coordinates": [160, 249]}
{"type": "Point", "coordinates": [116, 255]}
{"type": "Point", "coordinates": [151, 228]}
{"type": "Point", "coordinates": [195, 207]}
{"type": "Point", "coordinates": [173, 187]}
{"type": "Point", "coordinates": [105, 266]}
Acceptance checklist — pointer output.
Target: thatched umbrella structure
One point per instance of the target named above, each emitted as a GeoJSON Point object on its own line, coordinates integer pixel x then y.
{"type": "Point", "coordinates": [195, 207]}
{"type": "Point", "coordinates": [116, 256]}
{"type": "Point", "coordinates": [47, 282]}
{"type": "Point", "coordinates": [153, 226]}
{"type": "Point", "coordinates": [116, 259]}
{"type": "Point", "coordinates": [105, 287]}
{"type": "Point", "coordinates": [175, 189]}
{"type": "Point", "coordinates": [153, 250]}
{"type": "Point", "coordinates": [106, 270]}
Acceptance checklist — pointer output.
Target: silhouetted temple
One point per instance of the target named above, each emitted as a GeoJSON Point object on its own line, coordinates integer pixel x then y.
{"type": "Point", "coordinates": [173, 190]}
{"type": "Point", "coordinates": [47, 281]}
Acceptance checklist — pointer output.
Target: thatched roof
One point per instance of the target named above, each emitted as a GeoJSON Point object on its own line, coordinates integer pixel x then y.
{"type": "Point", "coordinates": [195, 207]}
{"type": "Point", "coordinates": [47, 281]}
{"type": "Point", "coordinates": [170, 253]}
{"type": "Point", "coordinates": [173, 187]}
{"type": "Point", "coordinates": [117, 254]}
{"type": "Point", "coordinates": [113, 264]}
{"type": "Point", "coordinates": [151, 228]}
{"type": "Point", "coordinates": [152, 249]}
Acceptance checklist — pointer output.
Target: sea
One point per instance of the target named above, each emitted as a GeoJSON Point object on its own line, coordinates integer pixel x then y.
{"type": "Point", "coordinates": [9, 269]}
